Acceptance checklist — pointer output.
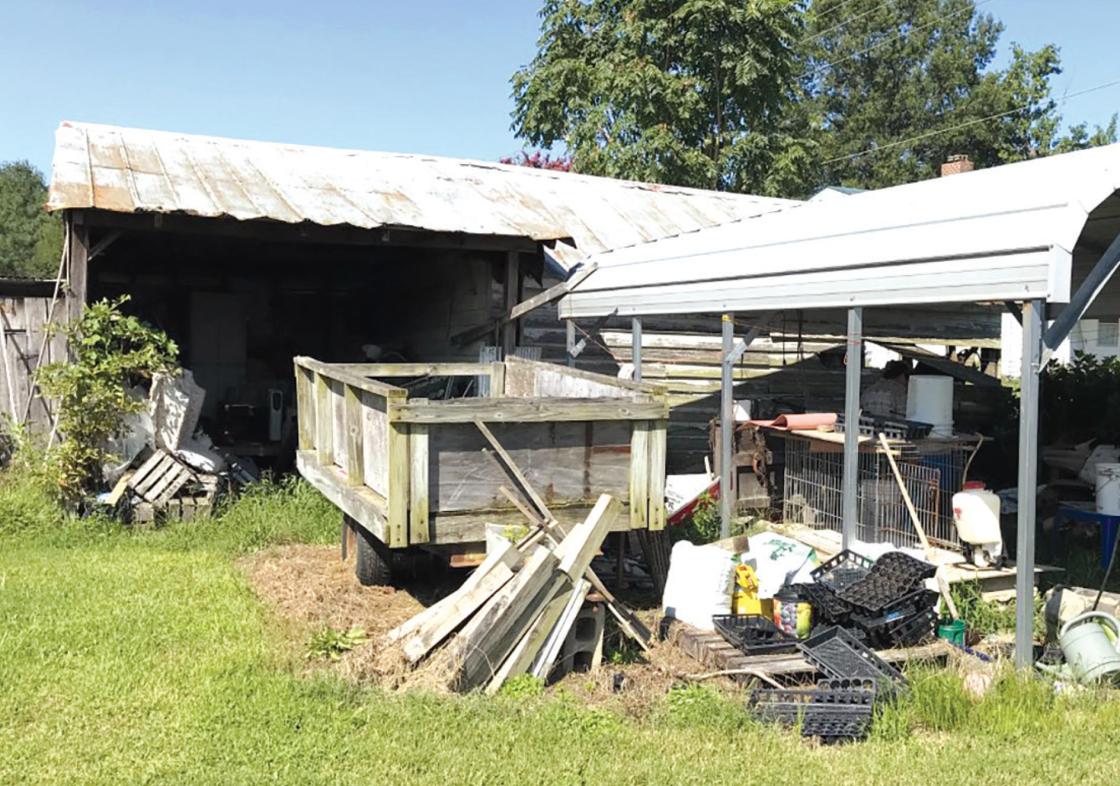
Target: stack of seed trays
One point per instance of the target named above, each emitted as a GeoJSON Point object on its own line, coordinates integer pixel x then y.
{"type": "Point", "coordinates": [827, 606]}
{"type": "Point", "coordinates": [838, 654]}
{"type": "Point", "coordinates": [834, 710]}
{"type": "Point", "coordinates": [753, 634]}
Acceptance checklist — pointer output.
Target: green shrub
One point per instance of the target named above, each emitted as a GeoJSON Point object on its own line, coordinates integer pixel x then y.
{"type": "Point", "coordinates": [111, 352]}
{"type": "Point", "coordinates": [330, 644]}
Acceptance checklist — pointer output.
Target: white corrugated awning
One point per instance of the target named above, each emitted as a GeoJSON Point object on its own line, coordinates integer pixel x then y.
{"type": "Point", "coordinates": [1005, 233]}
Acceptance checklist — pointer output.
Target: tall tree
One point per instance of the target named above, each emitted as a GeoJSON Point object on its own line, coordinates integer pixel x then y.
{"type": "Point", "coordinates": [893, 88]}
{"type": "Point", "coordinates": [785, 96]}
{"type": "Point", "coordinates": [30, 239]}
{"type": "Point", "coordinates": [675, 91]}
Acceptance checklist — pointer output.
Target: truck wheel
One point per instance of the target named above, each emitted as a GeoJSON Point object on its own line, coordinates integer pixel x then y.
{"type": "Point", "coordinates": [373, 564]}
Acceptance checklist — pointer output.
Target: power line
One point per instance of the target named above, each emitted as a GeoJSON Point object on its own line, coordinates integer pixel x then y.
{"type": "Point", "coordinates": [898, 33]}
{"type": "Point", "coordinates": [966, 124]}
{"type": "Point", "coordinates": [843, 22]}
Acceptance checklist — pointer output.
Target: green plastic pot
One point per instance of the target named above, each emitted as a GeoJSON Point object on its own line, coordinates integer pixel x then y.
{"type": "Point", "coordinates": [952, 632]}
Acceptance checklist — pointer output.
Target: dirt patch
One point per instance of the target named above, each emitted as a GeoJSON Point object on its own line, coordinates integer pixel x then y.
{"type": "Point", "coordinates": [309, 588]}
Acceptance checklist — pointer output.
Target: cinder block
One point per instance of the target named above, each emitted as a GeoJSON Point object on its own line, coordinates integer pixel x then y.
{"type": "Point", "coordinates": [583, 649]}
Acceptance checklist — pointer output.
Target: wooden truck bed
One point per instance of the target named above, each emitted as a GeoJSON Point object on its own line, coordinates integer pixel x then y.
{"type": "Point", "coordinates": [413, 471]}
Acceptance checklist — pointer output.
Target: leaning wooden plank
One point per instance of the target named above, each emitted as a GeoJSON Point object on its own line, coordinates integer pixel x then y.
{"type": "Point", "coordinates": [577, 550]}
{"type": "Point", "coordinates": [550, 650]}
{"type": "Point", "coordinates": [504, 554]}
{"type": "Point", "coordinates": [446, 622]}
{"type": "Point", "coordinates": [485, 641]}
{"type": "Point", "coordinates": [523, 655]}
{"type": "Point", "coordinates": [532, 517]}
{"type": "Point", "coordinates": [119, 488]}
{"type": "Point", "coordinates": [514, 470]}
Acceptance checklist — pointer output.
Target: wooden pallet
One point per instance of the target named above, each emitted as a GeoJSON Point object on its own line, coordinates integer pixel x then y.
{"type": "Point", "coordinates": [160, 478]}
{"type": "Point", "coordinates": [711, 650]}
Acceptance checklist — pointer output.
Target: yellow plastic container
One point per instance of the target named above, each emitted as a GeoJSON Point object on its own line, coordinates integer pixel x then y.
{"type": "Point", "coordinates": [745, 599]}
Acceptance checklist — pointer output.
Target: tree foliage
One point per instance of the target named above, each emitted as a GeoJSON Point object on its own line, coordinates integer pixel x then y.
{"type": "Point", "coordinates": [675, 91]}
{"type": "Point", "coordinates": [112, 351]}
{"type": "Point", "coordinates": [785, 96]}
{"type": "Point", "coordinates": [893, 89]}
{"type": "Point", "coordinates": [30, 238]}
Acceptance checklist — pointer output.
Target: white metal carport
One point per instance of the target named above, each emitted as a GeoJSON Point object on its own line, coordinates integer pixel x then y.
{"type": "Point", "coordinates": [1044, 234]}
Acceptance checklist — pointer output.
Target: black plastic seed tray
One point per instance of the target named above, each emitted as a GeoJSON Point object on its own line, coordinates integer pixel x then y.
{"type": "Point", "coordinates": [903, 568]}
{"type": "Point", "coordinates": [837, 653]}
{"type": "Point", "coordinates": [834, 710]}
{"type": "Point", "coordinates": [897, 631]}
{"type": "Point", "coordinates": [753, 634]}
{"type": "Point", "coordinates": [827, 606]}
{"type": "Point", "coordinates": [841, 571]}
{"type": "Point", "coordinates": [872, 600]}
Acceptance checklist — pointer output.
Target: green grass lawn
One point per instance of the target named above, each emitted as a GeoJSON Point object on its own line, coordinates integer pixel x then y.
{"type": "Point", "coordinates": [145, 657]}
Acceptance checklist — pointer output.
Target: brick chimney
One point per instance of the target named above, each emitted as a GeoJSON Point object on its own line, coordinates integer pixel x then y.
{"type": "Point", "coordinates": [956, 165]}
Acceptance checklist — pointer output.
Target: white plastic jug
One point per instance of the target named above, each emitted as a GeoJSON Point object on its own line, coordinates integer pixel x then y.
{"type": "Point", "coordinates": [1108, 489]}
{"type": "Point", "coordinates": [976, 514]}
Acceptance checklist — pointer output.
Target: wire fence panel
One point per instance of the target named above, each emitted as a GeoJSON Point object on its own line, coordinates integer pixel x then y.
{"type": "Point", "coordinates": [931, 473]}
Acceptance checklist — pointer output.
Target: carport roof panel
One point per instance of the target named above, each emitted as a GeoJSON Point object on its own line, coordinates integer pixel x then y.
{"type": "Point", "coordinates": [132, 170]}
{"type": "Point", "coordinates": [1002, 233]}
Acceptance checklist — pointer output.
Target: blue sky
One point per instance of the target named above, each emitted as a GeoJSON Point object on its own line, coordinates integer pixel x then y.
{"type": "Point", "coordinates": [428, 76]}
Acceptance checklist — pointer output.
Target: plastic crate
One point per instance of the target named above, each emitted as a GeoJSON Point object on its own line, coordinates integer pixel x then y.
{"type": "Point", "coordinates": [837, 653]}
{"type": "Point", "coordinates": [873, 600]}
{"type": "Point", "coordinates": [753, 634]}
{"type": "Point", "coordinates": [844, 569]}
{"type": "Point", "coordinates": [891, 428]}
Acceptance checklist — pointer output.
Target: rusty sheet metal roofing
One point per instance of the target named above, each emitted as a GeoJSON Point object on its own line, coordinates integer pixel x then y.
{"type": "Point", "coordinates": [130, 170]}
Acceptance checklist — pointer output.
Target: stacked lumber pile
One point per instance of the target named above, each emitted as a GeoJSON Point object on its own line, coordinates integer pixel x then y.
{"type": "Point", "coordinates": [512, 614]}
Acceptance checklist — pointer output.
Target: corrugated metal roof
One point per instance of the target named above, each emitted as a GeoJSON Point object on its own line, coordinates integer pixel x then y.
{"type": "Point", "coordinates": [132, 170]}
{"type": "Point", "coordinates": [1008, 232]}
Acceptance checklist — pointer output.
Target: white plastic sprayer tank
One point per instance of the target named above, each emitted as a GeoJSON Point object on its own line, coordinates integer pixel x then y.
{"type": "Point", "coordinates": [1108, 489]}
{"type": "Point", "coordinates": [976, 514]}
{"type": "Point", "coordinates": [929, 399]}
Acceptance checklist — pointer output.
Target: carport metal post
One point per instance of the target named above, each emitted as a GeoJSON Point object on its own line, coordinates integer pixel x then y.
{"type": "Point", "coordinates": [636, 347]}
{"type": "Point", "coordinates": [726, 427]}
{"type": "Point", "coordinates": [1028, 481]}
{"type": "Point", "coordinates": [853, 372]}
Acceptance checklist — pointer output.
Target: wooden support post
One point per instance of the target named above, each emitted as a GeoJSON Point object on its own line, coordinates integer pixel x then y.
{"type": "Point", "coordinates": [639, 474]}
{"type": "Point", "coordinates": [305, 407]}
{"type": "Point", "coordinates": [418, 525]}
{"type": "Point", "coordinates": [1028, 482]}
{"type": "Point", "coordinates": [658, 449]}
{"type": "Point", "coordinates": [497, 380]}
{"type": "Point", "coordinates": [324, 421]}
{"type": "Point", "coordinates": [400, 471]}
{"type": "Point", "coordinates": [726, 429]}
{"type": "Point", "coordinates": [355, 448]}
{"type": "Point", "coordinates": [850, 479]}
{"type": "Point", "coordinates": [636, 347]}
{"type": "Point", "coordinates": [77, 275]}
{"type": "Point", "coordinates": [512, 296]}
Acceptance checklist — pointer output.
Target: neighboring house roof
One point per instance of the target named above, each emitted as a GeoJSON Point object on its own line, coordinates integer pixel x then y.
{"type": "Point", "coordinates": [130, 170]}
{"type": "Point", "coordinates": [1005, 233]}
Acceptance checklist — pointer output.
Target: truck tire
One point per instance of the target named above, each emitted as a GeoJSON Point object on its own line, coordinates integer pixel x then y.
{"type": "Point", "coordinates": [373, 563]}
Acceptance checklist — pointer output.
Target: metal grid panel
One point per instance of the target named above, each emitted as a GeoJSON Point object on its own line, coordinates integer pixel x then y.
{"type": "Point", "coordinates": [932, 474]}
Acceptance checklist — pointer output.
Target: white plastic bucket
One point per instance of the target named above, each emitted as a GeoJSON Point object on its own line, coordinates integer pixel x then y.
{"type": "Point", "coordinates": [1108, 489]}
{"type": "Point", "coordinates": [929, 399]}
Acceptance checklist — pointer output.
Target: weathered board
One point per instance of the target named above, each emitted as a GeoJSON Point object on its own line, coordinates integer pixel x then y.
{"type": "Point", "coordinates": [564, 461]}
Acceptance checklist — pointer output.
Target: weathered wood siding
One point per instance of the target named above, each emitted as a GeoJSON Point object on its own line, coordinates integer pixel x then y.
{"type": "Point", "coordinates": [24, 307]}
{"type": "Point", "coordinates": [565, 462]}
